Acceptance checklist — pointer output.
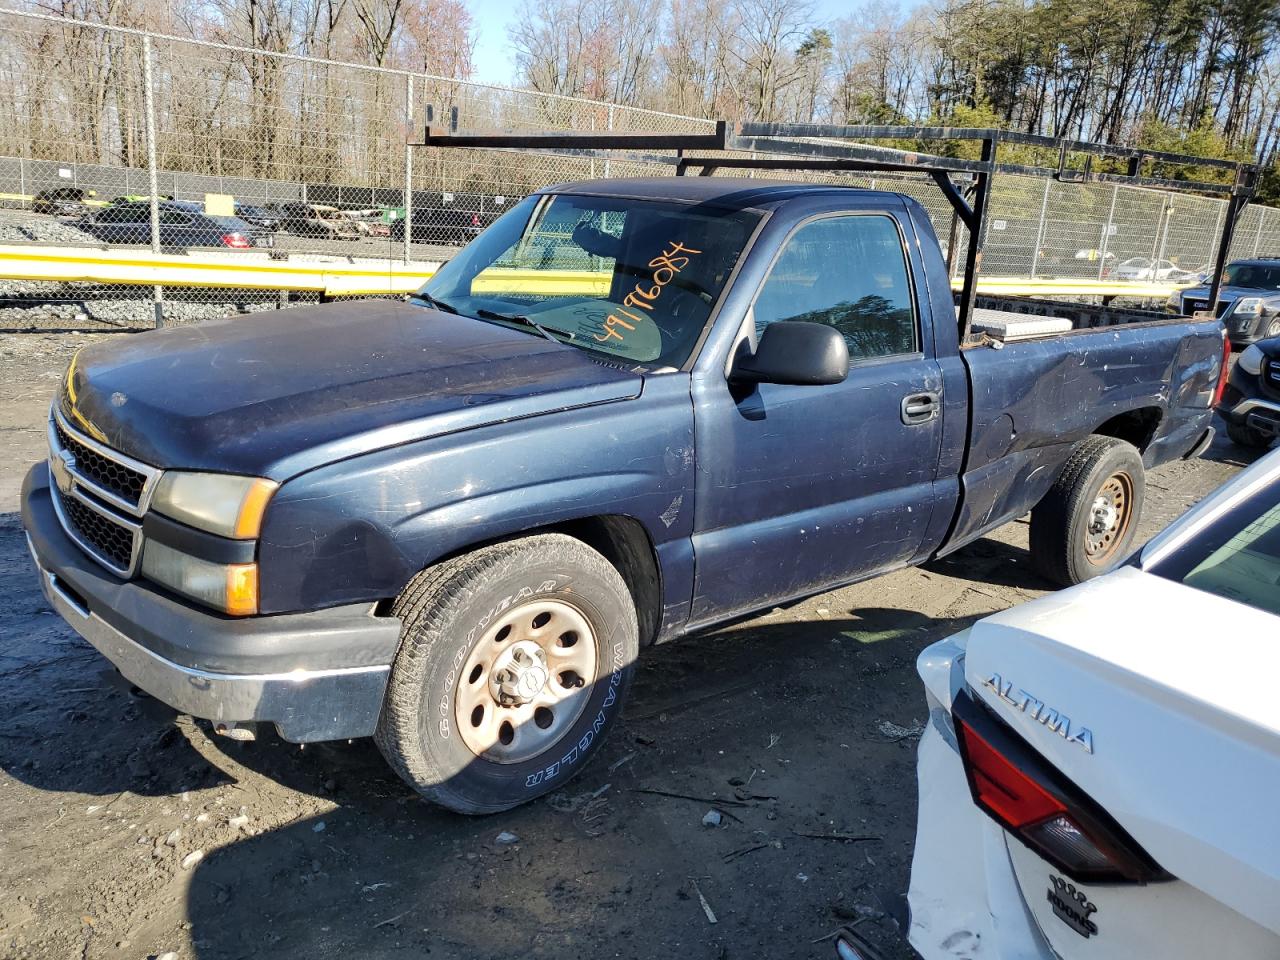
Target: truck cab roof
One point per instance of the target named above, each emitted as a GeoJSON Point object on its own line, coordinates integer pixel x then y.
{"type": "Point", "coordinates": [738, 193]}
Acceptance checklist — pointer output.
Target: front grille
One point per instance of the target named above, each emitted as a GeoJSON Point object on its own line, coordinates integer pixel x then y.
{"type": "Point", "coordinates": [110, 540]}
{"type": "Point", "coordinates": [113, 476]}
{"type": "Point", "coordinates": [101, 496]}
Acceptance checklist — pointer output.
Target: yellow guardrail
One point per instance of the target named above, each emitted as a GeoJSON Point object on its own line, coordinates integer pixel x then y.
{"type": "Point", "coordinates": [1069, 287]}
{"type": "Point", "coordinates": [345, 277]}
{"type": "Point", "coordinates": [255, 271]}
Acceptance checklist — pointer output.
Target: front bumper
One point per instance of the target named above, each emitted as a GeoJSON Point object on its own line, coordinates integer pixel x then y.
{"type": "Point", "coordinates": [1261, 415]}
{"type": "Point", "coordinates": [316, 676]}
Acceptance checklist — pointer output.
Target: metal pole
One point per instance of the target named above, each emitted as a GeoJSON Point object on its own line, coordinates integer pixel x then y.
{"type": "Point", "coordinates": [408, 168]}
{"type": "Point", "coordinates": [973, 255]}
{"type": "Point", "coordinates": [150, 105]}
{"type": "Point", "coordinates": [1217, 225]}
{"type": "Point", "coordinates": [1155, 240]}
{"type": "Point", "coordinates": [1106, 231]}
{"type": "Point", "coordinates": [609, 122]}
{"type": "Point", "coordinates": [1257, 237]}
{"type": "Point", "coordinates": [1238, 202]}
{"type": "Point", "coordinates": [1044, 207]}
{"type": "Point", "coordinates": [1164, 234]}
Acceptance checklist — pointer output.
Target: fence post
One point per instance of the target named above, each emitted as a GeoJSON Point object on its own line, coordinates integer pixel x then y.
{"type": "Point", "coordinates": [1155, 239]}
{"type": "Point", "coordinates": [408, 167]}
{"type": "Point", "coordinates": [1106, 231]}
{"type": "Point", "coordinates": [1257, 237]}
{"type": "Point", "coordinates": [150, 104]}
{"type": "Point", "coordinates": [1044, 207]}
{"type": "Point", "coordinates": [609, 121]}
{"type": "Point", "coordinates": [1217, 226]}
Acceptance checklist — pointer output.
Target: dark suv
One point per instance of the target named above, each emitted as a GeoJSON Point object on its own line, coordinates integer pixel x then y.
{"type": "Point", "coordinates": [1251, 401]}
{"type": "Point", "coordinates": [1248, 303]}
{"type": "Point", "coordinates": [182, 224]}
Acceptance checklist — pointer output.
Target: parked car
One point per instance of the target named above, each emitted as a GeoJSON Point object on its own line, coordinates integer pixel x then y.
{"type": "Point", "coordinates": [261, 217]}
{"type": "Point", "coordinates": [1248, 300]}
{"type": "Point", "coordinates": [1141, 268]}
{"type": "Point", "coordinates": [452, 523]}
{"type": "Point", "coordinates": [449, 226]}
{"type": "Point", "coordinates": [1099, 770]}
{"type": "Point", "coordinates": [63, 201]}
{"type": "Point", "coordinates": [1251, 402]}
{"type": "Point", "coordinates": [317, 221]}
{"type": "Point", "coordinates": [182, 224]}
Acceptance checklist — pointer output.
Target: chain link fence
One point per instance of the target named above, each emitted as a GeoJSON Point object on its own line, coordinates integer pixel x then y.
{"type": "Point", "coordinates": [114, 139]}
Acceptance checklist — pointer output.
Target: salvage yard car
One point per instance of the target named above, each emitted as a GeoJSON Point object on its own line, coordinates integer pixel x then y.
{"type": "Point", "coordinates": [453, 523]}
{"type": "Point", "coordinates": [1250, 404]}
{"type": "Point", "coordinates": [1120, 742]}
{"type": "Point", "coordinates": [1248, 301]}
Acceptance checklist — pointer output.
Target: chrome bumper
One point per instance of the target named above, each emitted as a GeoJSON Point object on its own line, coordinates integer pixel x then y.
{"type": "Point", "coordinates": [304, 705]}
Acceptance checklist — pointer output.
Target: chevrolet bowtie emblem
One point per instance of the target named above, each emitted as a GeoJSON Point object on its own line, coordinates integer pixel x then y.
{"type": "Point", "coordinates": [61, 467]}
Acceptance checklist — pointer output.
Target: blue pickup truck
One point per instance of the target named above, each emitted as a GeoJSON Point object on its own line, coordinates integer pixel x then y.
{"type": "Point", "coordinates": [631, 409]}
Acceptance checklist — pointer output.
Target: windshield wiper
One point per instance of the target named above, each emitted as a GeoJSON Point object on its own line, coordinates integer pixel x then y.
{"type": "Point", "coordinates": [433, 302]}
{"type": "Point", "coordinates": [484, 314]}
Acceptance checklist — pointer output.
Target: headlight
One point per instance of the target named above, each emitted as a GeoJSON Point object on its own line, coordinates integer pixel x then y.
{"type": "Point", "coordinates": [229, 587]}
{"type": "Point", "coordinates": [1248, 305]}
{"type": "Point", "coordinates": [1251, 360]}
{"type": "Point", "coordinates": [216, 502]}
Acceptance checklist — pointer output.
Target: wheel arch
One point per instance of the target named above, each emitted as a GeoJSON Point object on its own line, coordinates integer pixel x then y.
{"type": "Point", "coordinates": [621, 539]}
{"type": "Point", "coordinates": [1137, 426]}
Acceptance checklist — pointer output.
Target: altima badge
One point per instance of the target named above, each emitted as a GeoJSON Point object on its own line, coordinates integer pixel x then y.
{"type": "Point", "coordinates": [1038, 710]}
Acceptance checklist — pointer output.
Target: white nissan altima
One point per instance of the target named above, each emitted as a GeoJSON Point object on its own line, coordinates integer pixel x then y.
{"type": "Point", "coordinates": [1100, 776]}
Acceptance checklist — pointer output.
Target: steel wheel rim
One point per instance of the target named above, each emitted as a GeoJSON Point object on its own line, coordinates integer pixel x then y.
{"type": "Point", "coordinates": [526, 681]}
{"type": "Point", "coordinates": [1109, 518]}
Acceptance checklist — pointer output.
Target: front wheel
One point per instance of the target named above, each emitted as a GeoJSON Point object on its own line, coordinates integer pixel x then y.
{"type": "Point", "coordinates": [513, 665]}
{"type": "Point", "coordinates": [1086, 523]}
{"type": "Point", "coordinates": [1247, 436]}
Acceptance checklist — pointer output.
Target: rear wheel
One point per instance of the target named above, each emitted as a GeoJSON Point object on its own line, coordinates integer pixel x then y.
{"type": "Point", "coordinates": [1085, 525]}
{"type": "Point", "coordinates": [1246, 436]}
{"type": "Point", "coordinates": [513, 665]}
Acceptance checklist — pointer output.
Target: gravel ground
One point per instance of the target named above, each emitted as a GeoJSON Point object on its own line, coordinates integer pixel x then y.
{"type": "Point", "coordinates": [128, 832]}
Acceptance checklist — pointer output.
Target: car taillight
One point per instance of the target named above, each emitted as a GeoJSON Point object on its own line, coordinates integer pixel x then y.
{"type": "Point", "coordinates": [1022, 792]}
{"type": "Point", "coordinates": [235, 240]}
{"type": "Point", "coordinates": [1225, 373]}
{"type": "Point", "coordinates": [475, 219]}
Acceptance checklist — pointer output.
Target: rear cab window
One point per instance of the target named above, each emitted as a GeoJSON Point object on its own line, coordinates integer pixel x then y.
{"type": "Point", "coordinates": [1237, 556]}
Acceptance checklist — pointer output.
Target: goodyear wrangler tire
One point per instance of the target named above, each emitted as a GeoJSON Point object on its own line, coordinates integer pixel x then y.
{"type": "Point", "coordinates": [1086, 523]}
{"type": "Point", "coordinates": [514, 662]}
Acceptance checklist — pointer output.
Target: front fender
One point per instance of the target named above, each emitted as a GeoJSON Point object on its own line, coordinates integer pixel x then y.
{"type": "Point", "coordinates": [360, 529]}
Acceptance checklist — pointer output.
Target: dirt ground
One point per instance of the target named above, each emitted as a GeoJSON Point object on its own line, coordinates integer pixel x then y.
{"type": "Point", "coordinates": [798, 723]}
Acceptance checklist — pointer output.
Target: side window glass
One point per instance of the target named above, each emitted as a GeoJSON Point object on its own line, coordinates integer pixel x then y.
{"type": "Point", "coordinates": [849, 272]}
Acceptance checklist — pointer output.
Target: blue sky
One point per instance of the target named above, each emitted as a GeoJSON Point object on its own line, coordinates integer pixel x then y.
{"type": "Point", "coordinates": [495, 63]}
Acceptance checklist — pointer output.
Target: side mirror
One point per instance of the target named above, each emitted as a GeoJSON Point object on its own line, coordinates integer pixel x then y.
{"type": "Point", "coordinates": [795, 352]}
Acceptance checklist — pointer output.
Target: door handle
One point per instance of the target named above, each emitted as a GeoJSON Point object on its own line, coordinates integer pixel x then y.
{"type": "Point", "coordinates": [920, 408]}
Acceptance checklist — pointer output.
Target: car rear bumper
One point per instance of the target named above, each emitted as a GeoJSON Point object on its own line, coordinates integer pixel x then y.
{"type": "Point", "coordinates": [316, 676]}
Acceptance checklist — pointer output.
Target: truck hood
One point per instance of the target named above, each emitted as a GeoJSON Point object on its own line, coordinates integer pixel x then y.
{"type": "Point", "coordinates": [1176, 689]}
{"type": "Point", "coordinates": [276, 393]}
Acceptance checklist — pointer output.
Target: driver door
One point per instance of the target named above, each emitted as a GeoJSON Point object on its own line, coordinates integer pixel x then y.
{"type": "Point", "coordinates": [800, 488]}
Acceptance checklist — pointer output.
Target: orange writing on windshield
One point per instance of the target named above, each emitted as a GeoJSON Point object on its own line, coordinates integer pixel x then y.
{"type": "Point", "coordinates": [665, 267]}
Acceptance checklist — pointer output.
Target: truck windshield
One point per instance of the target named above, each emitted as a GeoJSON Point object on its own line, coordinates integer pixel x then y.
{"type": "Point", "coordinates": [635, 279]}
{"type": "Point", "coordinates": [1253, 276]}
{"type": "Point", "coordinates": [1237, 556]}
